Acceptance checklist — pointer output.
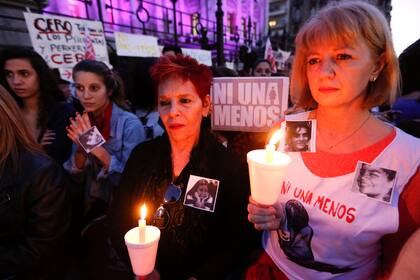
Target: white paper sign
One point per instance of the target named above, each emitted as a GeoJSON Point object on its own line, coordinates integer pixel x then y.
{"type": "Point", "coordinates": [61, 41]}
{"type": "Point", "coordinates": [202, 56]}
{"type": "Point", "coordinates": [136, 45]}
{"type": "Point", "coordinates": [251, 104]}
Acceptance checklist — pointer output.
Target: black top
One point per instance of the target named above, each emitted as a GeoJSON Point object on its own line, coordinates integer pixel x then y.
{"type": "Point", "coordinates": [58, 119]}
{"type": "Point", "coordinates": [196, 243]}
{"type": "Point", "coordinates": [34, 218]}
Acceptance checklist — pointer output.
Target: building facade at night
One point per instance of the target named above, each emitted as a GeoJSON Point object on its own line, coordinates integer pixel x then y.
{"type": "Point", "coordinates": [188, 23]}
{"type": "Point", "coordinates": [286, 17]}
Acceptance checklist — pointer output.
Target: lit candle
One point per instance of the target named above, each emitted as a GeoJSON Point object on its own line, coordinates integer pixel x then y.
{"type": "Point", "coordinates": [266, 169]}
{"type": "Point", "coordinates": [142, 224]}
{"type": "Point", "coordinates": [270, 148]}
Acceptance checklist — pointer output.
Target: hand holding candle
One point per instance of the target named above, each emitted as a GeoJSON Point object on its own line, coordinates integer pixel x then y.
{"type": "Point", "coordinates": [266, 169]}
{"type": "Point", "coordinates": [142, 224]}
{"type": "Point", "coordinates": [142, 243]}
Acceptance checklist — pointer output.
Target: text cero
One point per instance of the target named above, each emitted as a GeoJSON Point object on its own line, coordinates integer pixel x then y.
{"type": "Point", "coordinates": [53, 25]}
{"type": "Point", "coordinates": [67, 58]}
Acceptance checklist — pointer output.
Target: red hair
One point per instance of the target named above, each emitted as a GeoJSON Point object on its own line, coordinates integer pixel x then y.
{"type": "Point", "coordinates": [185, 67]}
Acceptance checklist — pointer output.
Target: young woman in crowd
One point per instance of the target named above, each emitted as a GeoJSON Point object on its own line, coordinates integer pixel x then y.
{"type": "Point", "coordinates": [345, 64]}
{"type": "Point", "coordinates": [34, 205]}
{"type": "Point", "coordinates": [43, 106]}
{"type": "Point", "coordinates": [101, 94]}
{"type": "Point", "coordinates": [195, 243]}
{"type": "Point", "coordinates": [261, 68]}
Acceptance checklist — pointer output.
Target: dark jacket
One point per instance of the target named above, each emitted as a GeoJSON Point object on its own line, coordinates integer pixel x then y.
{"type": "Point", "coordinates": [58, 120]}
{"type": "Point", "coordinates": [34, 217]}
{"type": "Point", "coordinates": [196, 243]}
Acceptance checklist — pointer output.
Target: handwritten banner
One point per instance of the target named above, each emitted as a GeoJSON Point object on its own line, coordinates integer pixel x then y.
{"type": "Point", "coordinates": [250, 104]}
{"type": "Point", "coordinates": [61, 41]}
{"type": "Point", "coordinates": [128, 44]}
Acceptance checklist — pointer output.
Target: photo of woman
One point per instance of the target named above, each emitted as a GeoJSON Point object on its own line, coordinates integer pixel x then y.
{"type": "Point", "coordinates": [202, 195]}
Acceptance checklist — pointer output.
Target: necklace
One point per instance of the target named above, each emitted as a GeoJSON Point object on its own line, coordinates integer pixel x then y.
{"type": "Point", "coordinates": [331, 146]}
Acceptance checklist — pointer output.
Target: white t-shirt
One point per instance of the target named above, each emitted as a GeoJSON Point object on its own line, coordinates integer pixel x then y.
{"type": "Point", "coordinates": [331, 231]}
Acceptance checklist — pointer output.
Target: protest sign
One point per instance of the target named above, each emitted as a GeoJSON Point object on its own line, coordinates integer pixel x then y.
{"type": "Point", "coordinates": [136, 45]}
{"type": "Point", "coordinates": [250, 104]}
{"type": "Point", "coordinates": [62, 41]}
{"type": "Point", "coordinates": [202, 56]}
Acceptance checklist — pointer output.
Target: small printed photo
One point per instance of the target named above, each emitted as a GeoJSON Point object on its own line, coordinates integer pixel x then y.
{"type": "Point", "coordinates": [91, 139]}
{"type": "Point", "coordinates": [201, 193]}
{"type": "Point", "coordinates": [374, 182]}
{"type": "Point", "coordinates": [300, 136]}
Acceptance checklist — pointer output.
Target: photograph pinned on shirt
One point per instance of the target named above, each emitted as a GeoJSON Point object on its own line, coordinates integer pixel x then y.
{"type": "Point", "coordinates": [90, 139]}
{"type": "Point", "coordinates": [300, 136]}
{"type": "Point", "coordinates": [201, 193]}
{"type": "Point", "coordinates": [374, 182]}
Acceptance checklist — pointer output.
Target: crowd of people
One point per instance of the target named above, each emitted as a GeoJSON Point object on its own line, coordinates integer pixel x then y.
{"type": "Point", "coordinates": [75, 168]}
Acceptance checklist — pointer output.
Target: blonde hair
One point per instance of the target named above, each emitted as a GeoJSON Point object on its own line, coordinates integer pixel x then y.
{"type": "Point", "coordinates": [13, 132]}
{"type": "Point", "coordinates": [345, 22]}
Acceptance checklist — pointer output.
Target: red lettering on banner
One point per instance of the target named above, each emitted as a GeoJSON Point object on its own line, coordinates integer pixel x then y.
{"type": "Point", "coordinates": [303, 195]}
{"type": "Point", "coordinates": [285, 187]}
{"type": "Point", "coordinates": [335, 209]}
{"type": "Point", "coordinates": [67, 58]}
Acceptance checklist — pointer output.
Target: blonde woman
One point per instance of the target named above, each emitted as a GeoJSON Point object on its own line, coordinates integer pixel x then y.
{"type": "Point", "coordinates": [34, 209]}
{"type": "Point", "coordinates": [344, 65]}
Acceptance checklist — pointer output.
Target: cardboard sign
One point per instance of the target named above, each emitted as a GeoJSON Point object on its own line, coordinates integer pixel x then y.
{"type": "Point", "coordinates": [62, 41]}
{"type": "Point", "coordinates": [136, 45]}
{"type": "Point", "coordinates": [250, 104]}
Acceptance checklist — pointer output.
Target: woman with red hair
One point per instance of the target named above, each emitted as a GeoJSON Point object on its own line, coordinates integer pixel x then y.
{"type": "Point", "coordinates": [194, 243]}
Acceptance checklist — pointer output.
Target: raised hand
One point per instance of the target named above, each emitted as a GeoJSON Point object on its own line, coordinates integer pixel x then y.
{"type": "Point", "coordinates": [77, 126]}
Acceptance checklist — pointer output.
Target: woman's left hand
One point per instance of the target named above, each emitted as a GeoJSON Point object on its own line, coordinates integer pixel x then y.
{"type": "Point", "coordinates": [78, 126]}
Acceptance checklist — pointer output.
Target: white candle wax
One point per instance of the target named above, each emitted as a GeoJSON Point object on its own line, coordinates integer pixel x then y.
{"type": "Point", "coordinates": [142, 224]}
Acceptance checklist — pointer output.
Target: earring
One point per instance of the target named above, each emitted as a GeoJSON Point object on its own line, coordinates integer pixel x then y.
{"type": "Point", "coordinates": [373, 79]}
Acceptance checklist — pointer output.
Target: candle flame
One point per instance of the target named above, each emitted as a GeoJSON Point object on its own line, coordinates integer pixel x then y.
{"type": "Point", "coordinates": [143, 211]}
{"type": "Point", "coordinates": [276, 137]}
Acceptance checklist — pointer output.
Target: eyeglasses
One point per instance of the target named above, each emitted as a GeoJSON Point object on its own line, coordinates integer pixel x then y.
{"type": "Point", "coordinates": [172, 195]}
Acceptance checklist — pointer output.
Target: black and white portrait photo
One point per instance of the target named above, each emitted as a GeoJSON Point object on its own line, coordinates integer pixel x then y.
{"type": "Point", "coordinates": [374, 182]}
{"type": "Point", "coordinates": [91, 139]}
{"type": "Point", "coordinates": [300, 136]}
{"type": "Point", "coordinates": [201, 193]}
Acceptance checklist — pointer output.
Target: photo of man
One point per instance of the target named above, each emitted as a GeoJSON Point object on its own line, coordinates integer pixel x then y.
{"type": "Point", "coordinates": [374, 182]}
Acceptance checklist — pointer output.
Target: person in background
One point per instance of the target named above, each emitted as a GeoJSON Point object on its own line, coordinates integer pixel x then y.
{"type": "Point", "coordinates": [261, 68]}
{"type": "Point", "coordinates": [101, 94]}
{"type": "Point", "coordinates": [43, 106]}
{"type": "Point", "coordinates": [68, 90]}
{"type": "Point", "coordinates": [407, 265]}
{"type": "Point", "coordinates": [34, 204]}
{"type": "Point", "coordinates": [344, 65]}
{"type": "Point", "coordinates": [171, 50]}
{"type": "Point", "coordinates": [143, 99]}
{"type": "Point", "coordinates": [247, 58]}
{"type": "Point", "coordinates": [194, 243]}
{"type": "Point", "coordinates": [407, 106]}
